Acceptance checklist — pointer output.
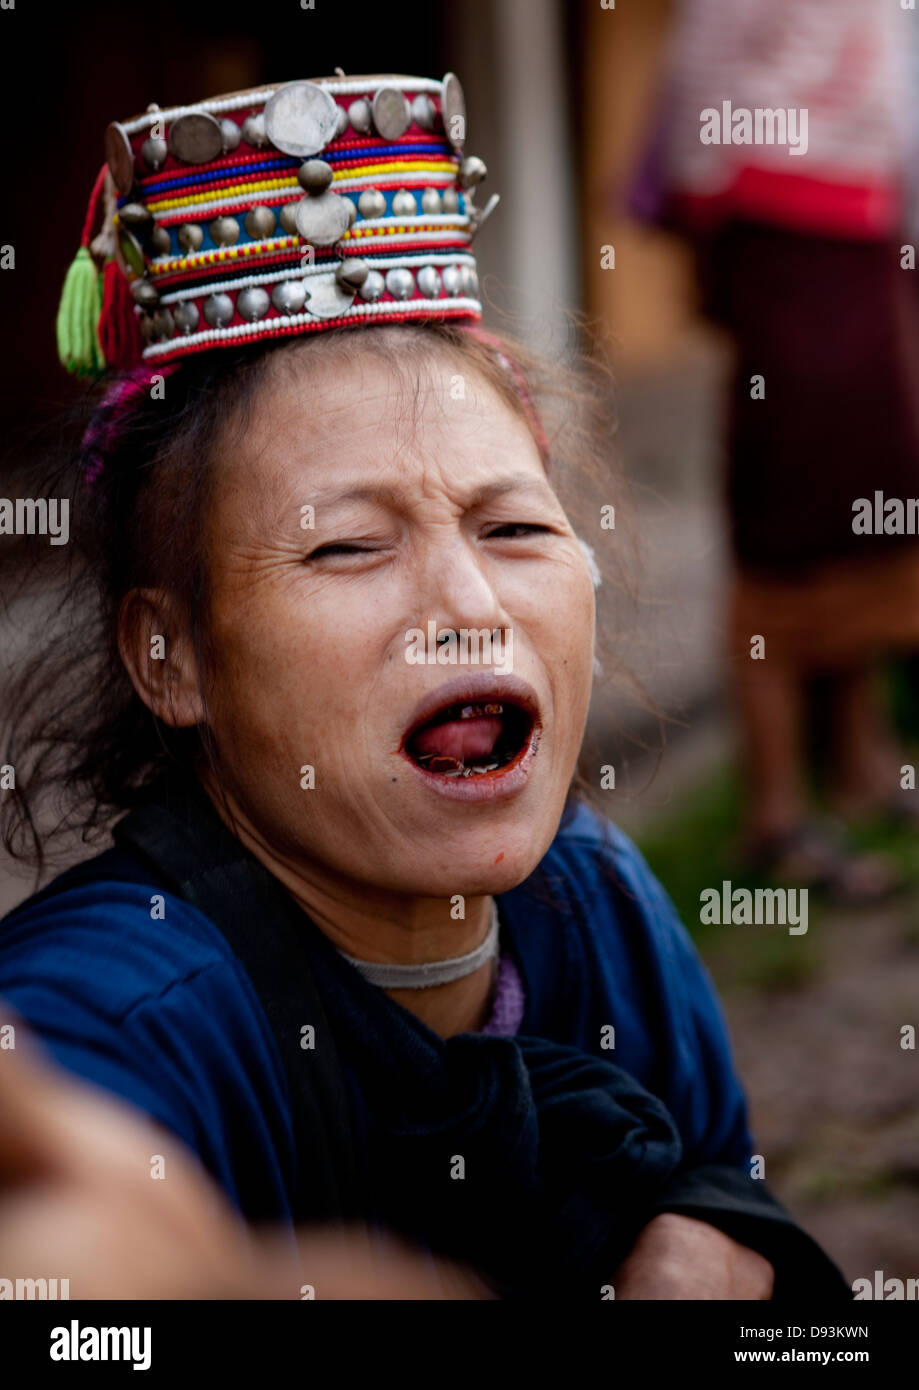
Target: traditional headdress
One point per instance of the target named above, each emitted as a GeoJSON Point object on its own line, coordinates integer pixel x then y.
{"type": "Point", "coordinates": [280, 210]}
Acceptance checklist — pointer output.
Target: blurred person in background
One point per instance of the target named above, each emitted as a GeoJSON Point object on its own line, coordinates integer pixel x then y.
{"type": "Point", "coordinates": [797, 227]}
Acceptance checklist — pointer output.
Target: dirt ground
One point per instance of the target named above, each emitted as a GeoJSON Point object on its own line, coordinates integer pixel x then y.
{"type": "Point", "coordinates": [834, 1097]}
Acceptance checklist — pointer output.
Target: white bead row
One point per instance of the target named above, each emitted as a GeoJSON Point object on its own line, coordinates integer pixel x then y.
{"type": "Point", "coordinates": [361, 311]}
{"type": "Point", "coordinates": [243, 101]}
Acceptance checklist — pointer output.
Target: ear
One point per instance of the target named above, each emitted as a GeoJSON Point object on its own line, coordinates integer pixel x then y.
{"type": "Point", "coordinates": [156, 647]}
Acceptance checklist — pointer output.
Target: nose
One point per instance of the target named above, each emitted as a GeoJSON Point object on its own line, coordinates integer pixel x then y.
{"type": "Point", "coordinates": [458, 588]}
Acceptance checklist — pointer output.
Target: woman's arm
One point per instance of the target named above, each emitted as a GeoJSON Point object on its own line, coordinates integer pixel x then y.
{"type": "Point", "coordinates": [77, 1197]}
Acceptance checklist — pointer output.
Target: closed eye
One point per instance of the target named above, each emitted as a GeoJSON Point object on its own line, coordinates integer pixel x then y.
{"type": "Point", "coordinates": [526, 528]}
{"type": "Point", "coordinates": [338, 548]}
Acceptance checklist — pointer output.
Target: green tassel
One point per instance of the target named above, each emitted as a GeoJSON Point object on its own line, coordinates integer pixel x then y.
{"type": "Point", "coordinates": [78, 317]}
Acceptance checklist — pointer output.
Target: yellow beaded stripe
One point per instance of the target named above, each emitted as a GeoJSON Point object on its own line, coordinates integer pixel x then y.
{"type": "Point", "coordinates": [222, 195]}
{"type": "Point", "coordinates": [251, 248]}
{"type": "Point", "coordinates": [241, 190]}
{"type": "Point", "coordinates": [413, 230]}
{"type": "Point", "coordinates": [424, 166]}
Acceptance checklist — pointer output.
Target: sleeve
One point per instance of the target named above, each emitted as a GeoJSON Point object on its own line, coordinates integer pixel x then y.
{"type": "Point", "coordinates": [171, 1027]}
{"type": "Point", "coordinates": [705, 1095]}
{"type": "Point", "coordinates": [695, 1072]}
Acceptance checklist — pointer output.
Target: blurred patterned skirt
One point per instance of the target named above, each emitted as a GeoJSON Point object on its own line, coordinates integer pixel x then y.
{"type": "Point", "coordinates": [823, 411]}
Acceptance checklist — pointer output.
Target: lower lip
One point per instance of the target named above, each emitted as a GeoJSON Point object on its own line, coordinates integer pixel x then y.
{"type": "Point", "coordinates": [487, 786]}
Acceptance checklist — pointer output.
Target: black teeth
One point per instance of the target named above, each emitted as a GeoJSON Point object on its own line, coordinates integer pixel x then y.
{"type": "Point", "coordinates": [517, 723]}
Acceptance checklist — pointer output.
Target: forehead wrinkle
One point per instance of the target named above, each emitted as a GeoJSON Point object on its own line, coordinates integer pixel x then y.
{"type": "Point", "coordinates": [314, 417]}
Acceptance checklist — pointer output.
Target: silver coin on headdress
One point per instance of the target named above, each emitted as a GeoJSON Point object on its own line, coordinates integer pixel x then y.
{"type": "Point", "coordinates": [218, 310]}
{"type": "Point", "coordinates": [134, 215]}
{"type": "Point", "coordinates": [315, 175]}
{"type": "Point", "coordinates": [453, 111]}
{"type": "Point", "coordinates": [352, 272]}
{"type": "Point", "coordinates": [429, 281]}
{"type": "Point", "coordinates": [423, 112]}
{"type": "Point", "coordinates": [360, 116]}
{"type": "Point", "coordinates": [145, 294]}
{"type": "Point", "coordinates": [186, 317]}
{"type": "Point", "coordinates": [260, 221]}
{"type": "Point", "coordinates": [253, 303]}
{"type": "Point", "coordinates": [289, 296]}
{"type": "Point", "coordinates": [153, 152]}
{"type": "Point", "coordinates": [391, 112]}
{"type": "Point", "coordinates": [400, 282]}
{"type": "Point", "coordinates": [253, 131]}
{"type": "Point", "coordinates": [229, 134]}
{"type": "Point", "coordinates": [327, 298]}
{"type": "Point", "coordinates": [190, 236]}
{"type": "Point", "coordinates": [301, 118]}
{"type": "Point", "coordinates": [373, 287]}
{"type": "Point", "coordinates": [161, 241]}
{"type": "Point", "coordinates": [164, 323]}
{"type": "Point", "coordinates": [195, 138]}
{"type": "Point", "coordinates": [224, 231]}
{"type": "Point", "coordinates": [404, 204]}
{"type": "Point", "coordinates": [371, 203]}
{"type": "Point", "coordinates": [322, 219]}
{"type": "Point", "coordinates": [119, 157]}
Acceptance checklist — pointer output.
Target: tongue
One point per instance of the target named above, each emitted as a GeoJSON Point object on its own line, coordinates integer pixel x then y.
{"type": "Point", "coordinates": [463, 739]}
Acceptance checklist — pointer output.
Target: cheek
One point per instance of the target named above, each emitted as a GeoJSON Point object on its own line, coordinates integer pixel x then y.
{"type": "Point", "coordinates": [566, 609]}
{"type": "Point", "coordinates": [568, 647]}
{"type": "Point", "coordinates": [287, 663]}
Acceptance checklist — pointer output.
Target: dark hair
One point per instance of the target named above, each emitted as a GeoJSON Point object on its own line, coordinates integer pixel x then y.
{"type": "Point", "coordinates": [82, 743]}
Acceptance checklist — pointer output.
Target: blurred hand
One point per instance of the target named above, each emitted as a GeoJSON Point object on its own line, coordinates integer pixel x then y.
{"type": "Point", "coordinates": [77, 1201]}
{"type": "Point", "coordinates": [678, 1257]}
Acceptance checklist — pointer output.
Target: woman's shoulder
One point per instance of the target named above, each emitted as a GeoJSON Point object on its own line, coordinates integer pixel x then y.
{"type": "Point", "coordinates": [594, 863]}
{"type": "Point", "coordinates": [610, 951]}
{"type": "Point", "coordinates": [107, 927]}
{"type": "Point", "coordinates": [594, 913]}
{"type": "Point", "coordinates": [130, 987]}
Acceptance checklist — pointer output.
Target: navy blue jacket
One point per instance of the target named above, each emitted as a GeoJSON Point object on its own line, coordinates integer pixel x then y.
{"type": "Point", "coordinates": [131, 986]}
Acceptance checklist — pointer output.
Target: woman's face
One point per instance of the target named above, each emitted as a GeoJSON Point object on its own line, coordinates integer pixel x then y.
{"type": "Point", "coordinates": [429, 505]}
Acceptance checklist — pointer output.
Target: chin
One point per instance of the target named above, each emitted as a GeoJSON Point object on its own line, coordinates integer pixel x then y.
{"type": "Point", "coordinates": [482, 861]}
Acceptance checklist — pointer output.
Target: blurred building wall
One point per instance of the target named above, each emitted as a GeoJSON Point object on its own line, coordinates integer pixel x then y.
{"type": "Point", "coordinates": [511, 56]}
{"type": "Point", "coordinates": [647, 300]}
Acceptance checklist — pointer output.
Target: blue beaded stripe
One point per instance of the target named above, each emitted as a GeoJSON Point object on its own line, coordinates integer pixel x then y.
{"type": "Point", "coordinates": [228, 171]}
{"type": "Point", "coordinates": [274, 202]}
{"type": "Point", "coordinates": [266, 165]}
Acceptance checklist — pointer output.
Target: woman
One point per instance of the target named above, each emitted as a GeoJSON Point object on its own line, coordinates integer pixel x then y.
{"type": "Point", "coordinates": [356, 944]}
{"type": "Point", "coordinates": [797, 227]}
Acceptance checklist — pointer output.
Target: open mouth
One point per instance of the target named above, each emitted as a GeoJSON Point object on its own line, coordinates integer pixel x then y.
{"type": "Point", "coordinates": [471, 738]}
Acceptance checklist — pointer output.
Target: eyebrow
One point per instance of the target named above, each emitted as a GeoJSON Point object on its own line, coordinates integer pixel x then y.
{"type": "Point", "coordinates": [386, 494]}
